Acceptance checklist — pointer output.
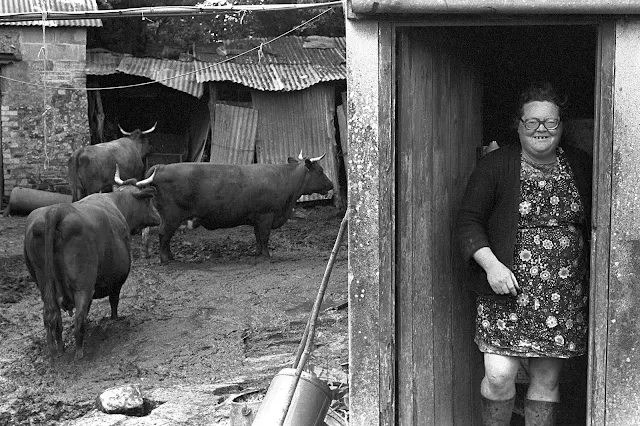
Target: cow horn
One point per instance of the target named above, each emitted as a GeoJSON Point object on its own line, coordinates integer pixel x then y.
{"type": "Point", "coordinates": [300, 156]}
{"type": "Point", "coordinates": [146, 181]}
{"type": "Point", "coordinates": [150, 130]}
{"type": "Point", "coordinates": [317, 158]}
{"type": "Point", "coordinates": [123, 132]}
{"type": "Point", "coordinates": [117, 176]}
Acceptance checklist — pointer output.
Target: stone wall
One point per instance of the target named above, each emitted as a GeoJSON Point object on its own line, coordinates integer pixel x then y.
{"type": "Point", "coordinates": [43, 119]}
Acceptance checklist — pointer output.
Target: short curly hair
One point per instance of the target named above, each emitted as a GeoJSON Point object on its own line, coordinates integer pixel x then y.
{"type": "Point", "coordinates": [541, 91]}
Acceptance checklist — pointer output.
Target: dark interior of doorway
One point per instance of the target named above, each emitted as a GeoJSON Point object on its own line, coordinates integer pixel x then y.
{"type": "Point", "coordinates": [138, 103]}
{"type": "Point", "coordinates": [133, 102]}
{"type": "Point", "coordinates": [511, 57]}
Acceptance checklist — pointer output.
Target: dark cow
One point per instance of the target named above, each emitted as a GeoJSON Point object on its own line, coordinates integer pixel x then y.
{"type": "Point", "coordinates": [225, 196]}
{"type": "Point", "coordinates": [91, 167]}
{"type": "Point", "coordinates": [80, 251]}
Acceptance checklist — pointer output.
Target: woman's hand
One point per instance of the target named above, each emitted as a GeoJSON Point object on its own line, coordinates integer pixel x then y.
{"type": "Point", "coordinates": [501, 279]}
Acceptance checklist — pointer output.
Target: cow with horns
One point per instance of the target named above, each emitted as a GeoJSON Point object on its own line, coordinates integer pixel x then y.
{"type": "Point", "coordinates": [91, 167]}
{"type": "Point", "coordinates": [225, 196]}
{"type": "Point", "coordinates": [81, 251]}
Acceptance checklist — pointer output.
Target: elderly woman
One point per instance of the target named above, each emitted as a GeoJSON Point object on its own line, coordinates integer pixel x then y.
{"type": "Point", "coordinates": [524, 229]}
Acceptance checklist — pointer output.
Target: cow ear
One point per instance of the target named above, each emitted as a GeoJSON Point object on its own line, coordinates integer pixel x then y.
{"type": "Point", "coordinates": [147, 192]}
{"type": "Point", "coordinates": [292, 160]}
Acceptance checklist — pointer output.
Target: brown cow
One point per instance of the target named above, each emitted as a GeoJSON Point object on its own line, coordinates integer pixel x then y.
{"type": "Point", "coordinates": [80, 251]}
{"type": "Point", "coordinates": [91, 168]}
{"type": "Point", "coordinates": [225, 196]}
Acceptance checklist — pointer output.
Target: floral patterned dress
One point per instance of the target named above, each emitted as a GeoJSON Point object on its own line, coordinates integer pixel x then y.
{"type": "Point", "coordinates": [548, 318]}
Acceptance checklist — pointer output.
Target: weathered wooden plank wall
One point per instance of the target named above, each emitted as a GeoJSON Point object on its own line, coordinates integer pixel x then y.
{"type": "Point", "coordinates": [601, 220]}
{"type": "Point", "coordinates": [387, 213]}
{"type": "Point", "coordinates": [439, 129]}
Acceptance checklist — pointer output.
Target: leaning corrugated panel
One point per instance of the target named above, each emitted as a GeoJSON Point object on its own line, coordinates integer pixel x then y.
{"type": "Point", "coordinates": [297, 121]}
{"type": "Point", "coordinates": [234, 135]}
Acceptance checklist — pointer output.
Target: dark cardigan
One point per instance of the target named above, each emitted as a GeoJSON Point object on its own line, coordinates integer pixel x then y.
{"type": "Point", "coordinates": [489, 214]}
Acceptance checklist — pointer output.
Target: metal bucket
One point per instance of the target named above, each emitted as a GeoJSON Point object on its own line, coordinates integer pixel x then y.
{"type": "Point", "coordinates": [244, 409]}
{"type": "Point", "coordinates": [308, 407]}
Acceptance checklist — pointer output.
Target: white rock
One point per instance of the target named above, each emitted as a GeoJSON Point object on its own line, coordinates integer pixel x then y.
{"type": "Point", "coordinates": [126, 399]}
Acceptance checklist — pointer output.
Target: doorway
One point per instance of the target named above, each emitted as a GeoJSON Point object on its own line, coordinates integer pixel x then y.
{"type": "Point", "coordinates": [457, 89]}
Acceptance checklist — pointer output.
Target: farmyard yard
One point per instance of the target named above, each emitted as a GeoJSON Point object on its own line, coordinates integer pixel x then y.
{"type": "Point", "coordinates": [215, 315]}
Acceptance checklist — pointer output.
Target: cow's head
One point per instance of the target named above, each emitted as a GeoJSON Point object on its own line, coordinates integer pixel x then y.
{"type": "Point", "coordinates": [314, 179]}
{"type": "Point", "coordinates": [136, 201]}
{"type": "Point", "coordinates": [141, 137]}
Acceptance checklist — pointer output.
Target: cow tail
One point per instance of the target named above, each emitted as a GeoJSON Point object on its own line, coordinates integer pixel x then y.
{"type": "Point", "coordinates": [55, 292]}
{"type": "Point", "coordinates": [74, 181]}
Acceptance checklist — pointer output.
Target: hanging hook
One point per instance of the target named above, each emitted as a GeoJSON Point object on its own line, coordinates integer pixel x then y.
{"type": "Point", "coordinates": [144, 18]}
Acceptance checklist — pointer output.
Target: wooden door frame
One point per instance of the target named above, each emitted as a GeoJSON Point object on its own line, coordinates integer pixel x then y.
{"type": "Point", "coordinates": [601, 218]}
{"type": "Point", "coordinates": [601, 223]}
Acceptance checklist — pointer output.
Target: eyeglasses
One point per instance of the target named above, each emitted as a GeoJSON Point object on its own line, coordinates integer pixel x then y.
{"type": "Point", "coordinates": [534, 123]}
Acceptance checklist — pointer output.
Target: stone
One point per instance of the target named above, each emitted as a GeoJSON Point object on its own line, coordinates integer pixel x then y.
{"type": "Point", "coordinates": [126, 399]}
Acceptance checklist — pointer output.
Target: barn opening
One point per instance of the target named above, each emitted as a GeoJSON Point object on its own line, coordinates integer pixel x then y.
{"type": "Point", "coordinates": [457, 89]}
{"type": "Point", "coordinates": [133, 102]}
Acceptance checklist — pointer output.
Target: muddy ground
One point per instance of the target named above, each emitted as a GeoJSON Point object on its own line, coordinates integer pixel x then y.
{"type": "Point", "coordinates": [214, 314]}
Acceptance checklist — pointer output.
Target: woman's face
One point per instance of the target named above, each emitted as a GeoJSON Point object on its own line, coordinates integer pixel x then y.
{"type": "Point", "coordinates": [540, 143]}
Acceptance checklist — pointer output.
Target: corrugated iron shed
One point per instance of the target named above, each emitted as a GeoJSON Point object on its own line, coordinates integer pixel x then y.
{"type": "Point", "coordinates": [284, 64]}
{"type": "Point", "coordinates": [24, 6]}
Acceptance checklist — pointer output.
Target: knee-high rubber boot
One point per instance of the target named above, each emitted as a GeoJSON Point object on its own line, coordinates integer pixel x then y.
{"type": "Point", "coordinates": [539, 413]}
{"type": "Point", "coordinates": [497, 413]}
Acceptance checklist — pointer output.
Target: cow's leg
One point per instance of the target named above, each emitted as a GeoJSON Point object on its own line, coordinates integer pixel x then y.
{"type": "Point", "coordinates": [165, 233]}
{"type": "Point", "coordinates": [50, 311]}
{"type": "Point", "coordinates": [114, 299]}
{"type": "Point", "coordinates": [53, 327]}
{"type": "Point", "coordinates": [262, 231]}
{"type": "Point", "coordinates": [82, 300]}
{"type": "Point", "coordinates": [81, 272]}
{"type": "Point", "coordinates": [145, 237]}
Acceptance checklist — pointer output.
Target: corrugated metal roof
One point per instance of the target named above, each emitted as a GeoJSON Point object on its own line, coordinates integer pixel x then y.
{"type": "Point", "coordinates": [284, 64]}
{"type": "Point", "coordinates": [178, 75]}
{"type": "Point", "coordinates": [24, 6]}
{"type": "Point", "coordinates": [102, 62]}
